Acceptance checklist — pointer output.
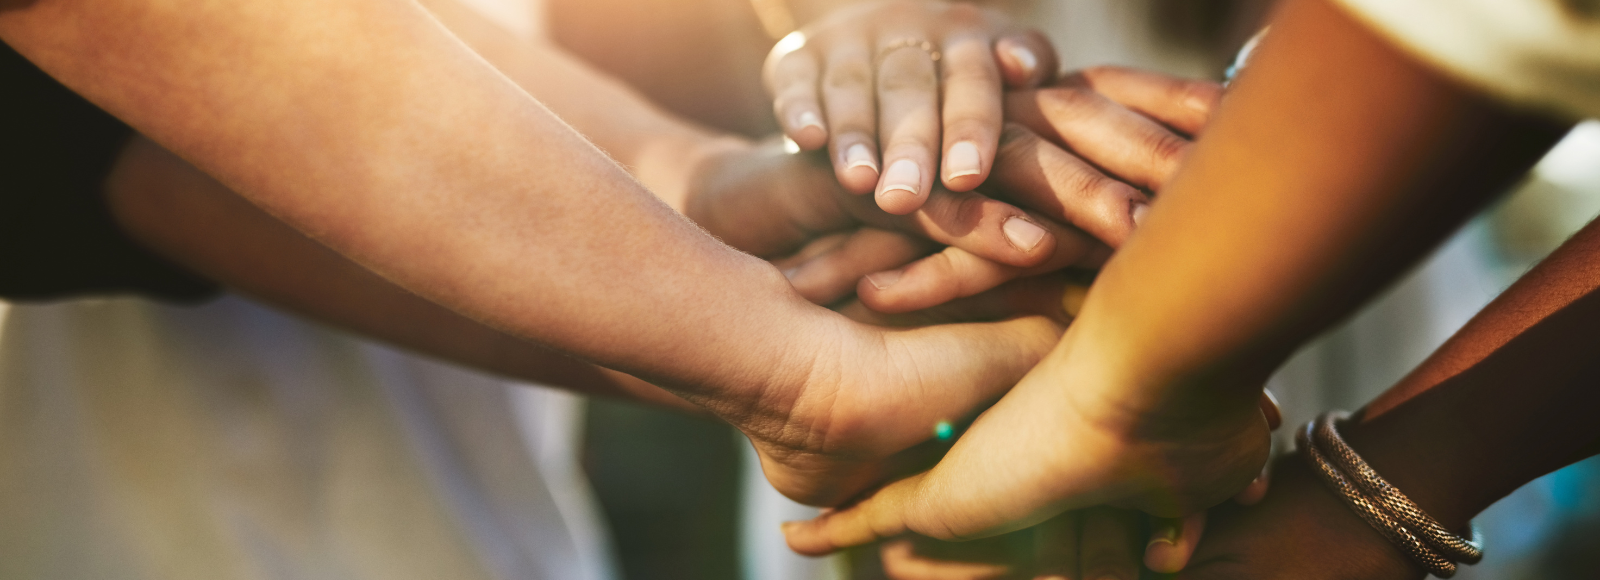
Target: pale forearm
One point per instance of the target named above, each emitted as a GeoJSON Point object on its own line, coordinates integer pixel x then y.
{"type": "Point", "coordinates": [1333, 164]}
{"type": "Point", "coordinates": [369, 127]}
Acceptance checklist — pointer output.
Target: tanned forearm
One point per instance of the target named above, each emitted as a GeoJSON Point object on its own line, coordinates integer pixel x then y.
{"type": "Point", "coordinates": [1510, 397]}
{"type": "Point", "coordinates": [659, 149]}
{"type": "Point", "coordinates": [368, 126]}
{"type": "Point", "coordinates": [189, 218]}
{"type": "Point", "coordinates": [1326, 173]}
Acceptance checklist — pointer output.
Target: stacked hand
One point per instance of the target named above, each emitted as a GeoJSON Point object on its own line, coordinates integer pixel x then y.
{"type": "Point", "coordinates": [855, 432]}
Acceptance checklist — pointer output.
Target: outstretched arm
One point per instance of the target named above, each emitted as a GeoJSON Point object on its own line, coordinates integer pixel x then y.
{"type": "Point", "coordinates": [370, 128]}
{"type": "Point", "coordinates": [1510, 397]}
{"type": "Point", "coordinates": [189, 218]}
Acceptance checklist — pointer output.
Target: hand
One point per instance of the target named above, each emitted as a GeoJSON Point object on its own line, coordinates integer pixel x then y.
{"type": "Point", "coordinates": [878, 73]}
{"type": "Point", "coordinates": [1095, 543]}
{"type": "Point", "coordinates": [1133, 123]}
{"type": "Point", "coordinates": [877, 400]}
{"type": "Point", "coordinates": [1081, 152]}
{"type": "Point", "coordinates": [1069, 435]}
{"type": "Point", "coordinates": [774, 204]}
{"type": "Point", "coordinates": [1299, 531]}
{"type": "Point", "coordinates": [1098, 543]}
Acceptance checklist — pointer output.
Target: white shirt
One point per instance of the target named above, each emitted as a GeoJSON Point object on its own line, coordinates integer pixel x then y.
{"type": "Point", "coordinates": [1538, 53]}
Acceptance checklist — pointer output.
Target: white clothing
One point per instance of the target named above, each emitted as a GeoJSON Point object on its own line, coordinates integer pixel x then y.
{"type": "Point", "coordinates": [1539, 53]}
{"type": "Point", "coordinates": [142, 441]}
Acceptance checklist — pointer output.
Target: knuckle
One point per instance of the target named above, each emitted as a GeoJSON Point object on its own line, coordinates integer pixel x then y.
{"type": "Point", "coordinates": [849, 74]}
{"type": "Point", "coordinates": [1166, 151]}
{"type": "Point", "coordinates": [966, 14]}
{"type": "Point", "coordinates": [1081, 181]}
{"type": "Point", "coordinates": [896, 79]}
{"type": "Point", "coordinates": [980, 72]}
{"type": "Point", "coordinates": [1067, 104]}
{"type": "Point", "coordinates": [1015, 142]}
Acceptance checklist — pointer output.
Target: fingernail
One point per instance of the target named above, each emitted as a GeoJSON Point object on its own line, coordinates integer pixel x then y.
{"type": "Point", "coordinates": [787, 527]}
{"type": "Point", "coordinates": [962, 160]}
{"type": "Point", "coordinates": [808, 119]}
{"type": "Point", "coordinates": [1022, 233]}
{"type": "Point", "coordinates": [1165, 532]}
{"type": "Point", "coordinates": [1023, 57]}
{"type": "Point", "coordinates": [883, 280]}
{"type": "Point", "coordinates": [1197, 103]}
{"type": "Point", "coordinates": [859, 155]}
{"type": "Point", "coordinates": [1139, 210]}
{"type": "Point", "coordinates": [903, 175]}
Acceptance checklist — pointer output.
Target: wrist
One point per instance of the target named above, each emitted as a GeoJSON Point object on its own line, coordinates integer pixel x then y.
{"type": "Point", "coordinates": [1428, 460]}
{"type": "Point", "coordinates": [765, 389]}
{"type": "Point", "coordinates": [671, 165]}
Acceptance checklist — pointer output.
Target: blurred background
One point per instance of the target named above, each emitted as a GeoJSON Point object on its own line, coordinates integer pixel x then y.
{"type": "Point", "coordinates": [675, 497]}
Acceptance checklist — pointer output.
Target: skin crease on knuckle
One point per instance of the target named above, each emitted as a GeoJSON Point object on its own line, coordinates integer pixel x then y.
{"type": "Point", "coordinates": [1166, 153]}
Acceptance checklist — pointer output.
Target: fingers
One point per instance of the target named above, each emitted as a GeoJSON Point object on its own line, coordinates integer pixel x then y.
{"type": "Point", "coordinates": [1256, 490]}
{"type": "Point", "coordinates": [903, 559]}
{"type": "Point", "coordinates": [874, 518]}
{"type": "Point", "coordinates": [989, 228]}
{"type": "Point", "coordinates": [908, 121]}
{"type": "Point", "coordinates": [1172, 542]}
{"type": "Point", "coordinates": [1027, 59]}
{"type": "Point", "coordinates": [848, 95]}
{"type": "Point", "coordinates": [1108, 544]}
{"type": "Point", "coordinates": [1037, 295]}
{"type": "Point", "coordinates": [972, 109]}
{"type": "Point", "coordinates": [825, 276]}
{"type": "Point", "coordinates": [1039, 175]}
{"type": "Point", "coordinates": [1271, 410]}
{"type": "Point", "coordinates": [1183, 104]}
{"type": "Point", "coordinates": [954, 273]}
{"type": "Point", "coordinates": [1056, 547]}
{"type": "Point", "coordinates": [793, 79]}
{"type": "Point", "coordinates": [1125, 143]}
{"type": "Point", "coordinates": [902, 562]}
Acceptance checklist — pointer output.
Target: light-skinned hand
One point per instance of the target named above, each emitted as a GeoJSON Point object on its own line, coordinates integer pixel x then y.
{"type": "Point", "coordinates": [899, 89]}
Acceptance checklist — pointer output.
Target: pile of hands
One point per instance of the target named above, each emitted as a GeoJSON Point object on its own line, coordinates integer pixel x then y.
{"type": "Point", "coordinates": [944, 188]}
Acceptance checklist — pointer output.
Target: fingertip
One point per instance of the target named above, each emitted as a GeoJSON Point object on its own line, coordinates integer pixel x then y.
{"type": "Point", "coordinates": [900, 201]}
{"type": "Point", "coordinates": [1172, 543]}
{"type": "Point", "coordinates": [857, 169]}
{"type": "Point", "coordinates": [1256, 490]}
{"type": "Point", "coordinates": [1018, 63]}
{"type": "Point", "coordinates": [804, 539]}
{"type": "Point", "coordinates": [963, 166]}
{"type": "Point", "coordinates": [808, 132]}
{"type": "Point", "coordinates": [1271, 409]}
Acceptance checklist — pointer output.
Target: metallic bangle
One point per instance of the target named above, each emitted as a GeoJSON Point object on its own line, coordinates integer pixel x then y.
{"type": "Point", "coordinates": [1395, 525]}
{"type": "Point", "coordinates": [1454, 547]}
{"type": "Point", "coordinates": [923, 45]}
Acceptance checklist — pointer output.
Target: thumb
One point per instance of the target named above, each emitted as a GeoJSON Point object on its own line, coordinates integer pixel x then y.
{"type": "Point", "coordinates": [879, 516]}
{"type": "Point", "coordinates": [1027, 59]}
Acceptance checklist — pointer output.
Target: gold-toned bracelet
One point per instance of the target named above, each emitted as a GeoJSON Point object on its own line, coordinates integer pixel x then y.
{"type": "Point", "coordinates": [1398, 528]}
{"type": "Point", "coordinates": [917, 43]}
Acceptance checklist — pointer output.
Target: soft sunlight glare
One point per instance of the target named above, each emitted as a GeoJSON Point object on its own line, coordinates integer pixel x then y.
{"type": "Point", "coordinates": [1574, 163]}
